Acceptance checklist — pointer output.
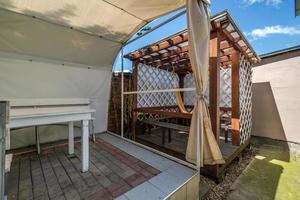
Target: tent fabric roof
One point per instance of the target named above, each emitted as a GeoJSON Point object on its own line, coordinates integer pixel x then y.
{"type": "Point", "coordinates": [86, 32]}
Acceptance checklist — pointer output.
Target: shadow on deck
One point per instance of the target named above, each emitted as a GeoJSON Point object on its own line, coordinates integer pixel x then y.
{"type": "Point", "coordinates": [117, 169]}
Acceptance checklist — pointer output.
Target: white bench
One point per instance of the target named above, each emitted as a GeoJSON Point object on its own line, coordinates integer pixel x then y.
{"type": "Point", "coordinates": [36, 112]}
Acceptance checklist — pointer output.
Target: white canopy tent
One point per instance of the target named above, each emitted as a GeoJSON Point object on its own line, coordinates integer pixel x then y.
{"type": "Point", "coordinates": [66, 49]}
{"type": "Point", "coordinates": [86, 32]}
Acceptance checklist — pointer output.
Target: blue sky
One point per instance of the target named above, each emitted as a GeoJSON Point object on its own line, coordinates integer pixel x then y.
{"type": "Point", "coordinates": [269, 25]}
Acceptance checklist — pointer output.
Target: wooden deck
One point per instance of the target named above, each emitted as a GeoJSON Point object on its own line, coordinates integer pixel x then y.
{"type": "Point", "coordinates": [56, 175]}
{"type": "Point", "coordinates": [177, 146]}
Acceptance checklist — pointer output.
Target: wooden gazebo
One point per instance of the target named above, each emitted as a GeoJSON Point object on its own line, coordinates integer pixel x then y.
{"type": "Point", "coordinates": [162, 67]}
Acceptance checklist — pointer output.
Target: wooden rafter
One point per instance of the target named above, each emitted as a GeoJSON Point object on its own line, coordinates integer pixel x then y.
{"type": "Point", "coordinates": [172, 53]}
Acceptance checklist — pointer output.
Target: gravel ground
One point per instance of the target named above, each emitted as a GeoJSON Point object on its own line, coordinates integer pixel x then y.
{"type": "Point", "coordinates": [220, 191]}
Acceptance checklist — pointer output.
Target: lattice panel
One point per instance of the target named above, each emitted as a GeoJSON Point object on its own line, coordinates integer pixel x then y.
{"type": "Point", "coordinates": [189, 97]}
{"type": "Point", "coordinates": [142, 116]}
{"type": "Point", "coordinates": [245, 99]}
{"type": "Point", "coordinates": [225, 87]}
{"type": "Point", "coordinates": [150, 78]}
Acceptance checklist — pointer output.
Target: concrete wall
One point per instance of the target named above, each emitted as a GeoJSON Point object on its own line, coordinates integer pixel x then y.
{"type": "Point", "coordinates": [276, 100]}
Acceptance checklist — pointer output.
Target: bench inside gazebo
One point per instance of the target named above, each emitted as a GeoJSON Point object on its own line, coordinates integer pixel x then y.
{"type": "Point", "coordinates": [163, 92]}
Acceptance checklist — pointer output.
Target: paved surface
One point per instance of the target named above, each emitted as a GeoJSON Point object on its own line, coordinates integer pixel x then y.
{"type": "Point", "coordinates": [273, 174]}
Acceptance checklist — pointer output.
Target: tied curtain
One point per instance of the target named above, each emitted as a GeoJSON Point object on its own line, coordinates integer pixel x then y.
{"type": "Point", "coordinates": [202, 146]}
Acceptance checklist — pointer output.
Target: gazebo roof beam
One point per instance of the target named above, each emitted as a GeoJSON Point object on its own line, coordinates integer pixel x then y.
{"type": "Point", "coordinates": [162, 63]}
{"type": "Point", "coordinates": [172, 58]}
{"type": "Point", "coordinates": [160, 46]}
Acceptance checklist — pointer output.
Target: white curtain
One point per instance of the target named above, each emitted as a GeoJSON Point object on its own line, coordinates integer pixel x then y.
{"type": "Point", "coordinates": [202, 146]}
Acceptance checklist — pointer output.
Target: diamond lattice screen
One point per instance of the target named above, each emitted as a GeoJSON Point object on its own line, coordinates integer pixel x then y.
{"type": "Point", "coordinates": [150, 78]}
{"type": "Point", "coordinates": [245, 99]}
{"type": "Point", "coordinates": [189, 96]}
{"type": "Point", "coordinates": [225, 87]}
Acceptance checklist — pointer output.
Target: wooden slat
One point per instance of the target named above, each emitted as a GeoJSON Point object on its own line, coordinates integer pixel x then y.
{"type": "Point", "coordinates": [178, 60]}
{"type": "Point", "coordinates": [165, 55]}
{"type": "Point", "coordinates": [39, 187]}
{"type": "Point", "coordinates": [224, 45]}
{"type": "Point", "coordinates": [235, 44]}
{"type": "Point", "coordinates": [158, 47]}
{"type": "Point", "coordinates": [74, 175]}
{"type": "Point", "coordinates": [165, 113]}
{"type": "Point", "coordinates": [111, 174]}
{"type": "Point", "coordinates": [56, 174]}
{"type": "Point", "coordinates": [174, 58]}
{"type": "Point", "coordinates": [53, 187]}
{"type": "Point", "coordinates": [13, 177]}
{"type": "Point", "coordinates": [64, 181]}
{"type": "Point", "coordinates": [25, 184]}
{"type": "Point", "coordinates": [167, 125]}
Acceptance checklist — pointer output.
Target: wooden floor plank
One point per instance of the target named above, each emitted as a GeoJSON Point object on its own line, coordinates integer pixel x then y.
{"type": "Point", "coordinates": [25, 184]}
{"type": "Point", "coordinates": [65, 182]}
{"type": "Point", "coordinates": [87, 176]}
{"type": "Point", "coordinates": [112, 166]}
{"type": "Point", "coordinates": [90, 180]}
{"type": "Point", "coordinates": [124, 171]}
{"type": "Point", "coordinates": [101, 164]}
{"type": "Point", "coordinates": [55, 175]}
{"type": "Point", "coordinates": [99, 176]}
{"type": "Point", "coordinates": [75, 177]}
{"type": "Point", "coordinates": [13, 177]}
{"type": "Point", "coordinates": [39, 186]}
{"type": "Point", "coordinates": [53, 187]}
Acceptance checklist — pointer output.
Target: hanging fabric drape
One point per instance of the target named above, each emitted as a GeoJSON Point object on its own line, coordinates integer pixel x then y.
{"type": "Point", "coordinates": [180, 103]}
{"type": "Point", "coordinates": [202, 146]}
{"type": "Point", "coordinates": [178, 96]}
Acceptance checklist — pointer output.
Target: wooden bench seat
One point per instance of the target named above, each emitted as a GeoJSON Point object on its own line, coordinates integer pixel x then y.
{"type": "Point", "coordinates": [164, 126]}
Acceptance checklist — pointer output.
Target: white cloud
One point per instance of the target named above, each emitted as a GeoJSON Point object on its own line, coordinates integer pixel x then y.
{"type": "Point", "coordinates": [266, 2]}
{"type": "Point", "coordinates": [272, 30]}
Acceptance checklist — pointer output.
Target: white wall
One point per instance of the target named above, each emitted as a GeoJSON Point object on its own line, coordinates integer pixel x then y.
{"type": "Point", "coordinates": [21, 78]}
{"type": "Point", "coordinates": [276, 100]}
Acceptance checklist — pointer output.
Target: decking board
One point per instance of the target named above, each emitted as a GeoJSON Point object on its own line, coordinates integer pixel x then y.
{"type": "Point", "coordinates": [56, 175]}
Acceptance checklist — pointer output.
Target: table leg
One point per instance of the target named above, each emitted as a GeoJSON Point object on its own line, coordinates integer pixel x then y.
{"type": "Point", "coordinates": [7, 139]}
{"type": "Point", "coordinates": [37, 140]}
{"type": "Point", "coordinates": [71, 138]}
{"type": "Point", "coordinates": [85, 146]}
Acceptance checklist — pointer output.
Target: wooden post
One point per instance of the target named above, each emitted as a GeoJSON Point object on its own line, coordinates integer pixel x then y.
{"type": "Point", "coordinates": [214, 84]}
{"type": "Point", "coordinates": [134, 98]}
{"type": "Point", "coordinates": [235, 98]}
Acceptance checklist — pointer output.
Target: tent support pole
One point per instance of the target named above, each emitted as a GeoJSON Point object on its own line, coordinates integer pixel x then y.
{"type": "Point", "coordinates": [122, 92]}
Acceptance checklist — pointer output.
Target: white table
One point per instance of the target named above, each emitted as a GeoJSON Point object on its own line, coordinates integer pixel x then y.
{"type": "Point", "coordinates": [36, 112]}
